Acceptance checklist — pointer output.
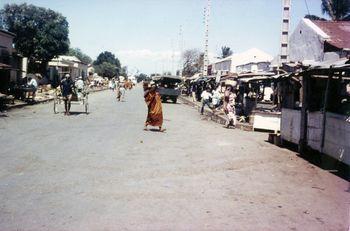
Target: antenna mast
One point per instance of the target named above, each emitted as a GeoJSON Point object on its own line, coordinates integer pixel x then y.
{"type": "Point", "coordinates": [206, 37]}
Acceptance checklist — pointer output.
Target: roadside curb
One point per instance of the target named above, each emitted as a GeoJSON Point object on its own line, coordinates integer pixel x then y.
{"type": "Point", "coordinates": [209, 114]}
{"type": "Point", "coordinates": [21, 105]}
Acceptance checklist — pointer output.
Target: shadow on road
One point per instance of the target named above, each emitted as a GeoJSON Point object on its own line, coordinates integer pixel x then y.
{"type": "Point", "coordinates": [154, 130]}
{"type": "Point", "coordinates": [76, 113]}
{"type": "Point", "coordinates": [320, 160]}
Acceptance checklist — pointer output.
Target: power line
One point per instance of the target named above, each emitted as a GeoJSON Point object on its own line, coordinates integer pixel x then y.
{"type": "Point", "coordinates": [307, 7]}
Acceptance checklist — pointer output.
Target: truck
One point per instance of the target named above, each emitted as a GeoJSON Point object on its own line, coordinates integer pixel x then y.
{"type": "Point", "coordinates": [168, 87]}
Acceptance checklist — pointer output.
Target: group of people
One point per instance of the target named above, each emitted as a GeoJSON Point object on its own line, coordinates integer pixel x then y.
{"type": "Point", "coordinates": [214, 98]}
{"type": "Point", "coordinates": [120, 87]}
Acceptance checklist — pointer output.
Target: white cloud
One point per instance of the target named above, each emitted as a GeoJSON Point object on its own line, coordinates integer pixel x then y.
{"type": "Point", "coordinates": [148, 54]}
{"type": "Point", "coordinates": [150, 61]}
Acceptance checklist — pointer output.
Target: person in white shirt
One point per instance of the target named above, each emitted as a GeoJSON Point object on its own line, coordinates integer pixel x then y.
{"type": "Point", "coordinates": [206, 95]}
{"type": "Point", "coordinates": [33, 84]}
{"type": "Point", "coordinates": [216, 97]}
{"type": "Point", "coordinates": [79, 84]}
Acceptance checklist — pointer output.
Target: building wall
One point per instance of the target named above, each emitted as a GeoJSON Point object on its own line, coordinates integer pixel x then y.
{"type": "Point", "coordinates": [306, 43]}
{"type": "Point", "coordinates": [7, 56]}
{"type": "Point", "coordinates": [6, 41]}
{"type": "Point", "coordinates": [223, 66]}
{"type": "Point", "coordinates": [253, 67]}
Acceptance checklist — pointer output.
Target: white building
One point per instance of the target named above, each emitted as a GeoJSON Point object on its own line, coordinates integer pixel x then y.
{"type": "Point", "coordinates": [252, 60]}
{"type": "Point", "coordinates": [314, 40]}
{"type": "Point", "coordinates": [68, 65]}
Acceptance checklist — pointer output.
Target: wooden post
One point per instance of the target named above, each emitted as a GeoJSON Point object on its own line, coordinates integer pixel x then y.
{"type": "Point", "coordinates": [324, 111]}
{"type": "Point", "coordinates": [305, 105]}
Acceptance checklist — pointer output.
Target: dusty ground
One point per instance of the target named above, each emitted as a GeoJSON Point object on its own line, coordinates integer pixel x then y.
{"type": "Point", "coordinates": [103, 172]}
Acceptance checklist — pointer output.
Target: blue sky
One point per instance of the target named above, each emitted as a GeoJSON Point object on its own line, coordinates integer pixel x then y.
{"type": "Point", "coordinates": [144, 34]}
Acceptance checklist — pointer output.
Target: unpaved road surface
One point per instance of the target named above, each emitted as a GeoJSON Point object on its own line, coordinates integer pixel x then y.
{"type": "Point", "coordinates": [103, 172]}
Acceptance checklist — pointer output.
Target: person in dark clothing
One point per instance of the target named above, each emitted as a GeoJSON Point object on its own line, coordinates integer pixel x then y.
{"type": "Point", "coordinates": [67, 91]}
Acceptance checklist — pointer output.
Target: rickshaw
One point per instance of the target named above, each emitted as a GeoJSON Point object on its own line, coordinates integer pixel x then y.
{"type": "Point", "coordinates": [78, 98]}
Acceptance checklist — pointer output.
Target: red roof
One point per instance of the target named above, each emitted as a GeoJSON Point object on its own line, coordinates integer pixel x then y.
{"type": "Point", "coordinates": [339, 32]}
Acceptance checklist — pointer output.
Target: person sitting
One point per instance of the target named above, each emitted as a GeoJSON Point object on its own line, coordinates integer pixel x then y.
{"type": "Point", "coordinates": [79, 85]}
{"type": "Point", "coordinates": [32, 83]}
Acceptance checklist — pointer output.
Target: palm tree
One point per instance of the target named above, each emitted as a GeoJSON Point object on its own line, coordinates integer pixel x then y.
{"type": "Point", "coordinates": [336, 9]}
{"type": "Point", "coordinates": [225, 51]}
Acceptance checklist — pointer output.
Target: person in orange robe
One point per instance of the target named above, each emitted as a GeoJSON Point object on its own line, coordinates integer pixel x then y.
{"type": "Point", "coordinates": [154, 104]}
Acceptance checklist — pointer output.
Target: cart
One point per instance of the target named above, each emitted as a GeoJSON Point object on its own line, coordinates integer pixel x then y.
{"type": "Point", "coordinates": [78, 98]}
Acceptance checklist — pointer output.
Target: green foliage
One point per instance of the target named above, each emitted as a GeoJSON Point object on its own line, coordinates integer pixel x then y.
{"type": "Point", "coordinates": [314, 17]}
{"type": "Point", "coordinates": [80, 55]}
{"type": "Point", "coordinates": [124, 71]}
{"type": "Point", "coordinates": [106, 69]}
{"type": "Point", "coordinates": [41, 34]}
{"type": "Point", "coordinates": [107, 65]}
{"type": "Point", "coordinates": [336, 9]}
{"type": "Point", "coordinates": [141, 77]}
{"type": "Point", "coordinates": [167, 73]}
{"type": "Point", "coordinates": [225, 51]}
{"type": "Point", "coordinates": [107, 57]}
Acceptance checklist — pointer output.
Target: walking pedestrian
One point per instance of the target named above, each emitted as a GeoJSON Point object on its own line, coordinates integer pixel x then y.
{"type": "Point", "coordinates": [121, 92]}
{"type": "Point", "coordinates": [216, 97]}
{"type": "Point", "coordinates": [193, 92]}
{"type": "Point", "coordinates": [154, 106]}
{"type": "Point", "coordinates": [229, 107]}
{"type": "Point", "coordinates": [67, 91]}
{"type": "Point", "coordinates": [206, 96]}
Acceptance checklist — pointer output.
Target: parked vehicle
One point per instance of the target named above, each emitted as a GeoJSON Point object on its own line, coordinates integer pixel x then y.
{"type": "Point", "coordinates": [169, 87]}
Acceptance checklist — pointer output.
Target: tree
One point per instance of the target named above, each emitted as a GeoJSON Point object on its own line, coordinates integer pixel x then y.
{"type": "Point", "coordinates": [80, 55]}
{"type": "Point", "coordinates": [106, 69]}
{"type": "Point", "coordinates": [124, 71]}
{"type": "Point", "coordinates": [167, 73]}
{"type": "Point", "coordinates": [107, 64]}
{"type": "Point", "coordinates": [108, 57]}
{"type": "Point", "coordinates": [41, 34]}
{"type": "Point", "coordinates": [314, 17]}
{"type": "Point", "coordinates": [225, 51]}
{"type": "Point", "coordinates": [193, 62]}
{"type": "Point", "coordinates": [141, 77]}
{"type": "Point", "coordinates": [336, 9]}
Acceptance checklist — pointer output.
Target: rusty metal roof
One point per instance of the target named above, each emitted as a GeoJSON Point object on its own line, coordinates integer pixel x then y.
{"type": "Point", "coordinates": [339, 32]}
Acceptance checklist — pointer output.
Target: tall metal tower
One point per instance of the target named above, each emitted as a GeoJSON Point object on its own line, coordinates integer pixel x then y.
{"type": "Point", "coordinates": [206, 38]}
{"type": "Point", "coordinates": [284, 55]}
{"type": "Point", "coordinates": [181, 47]}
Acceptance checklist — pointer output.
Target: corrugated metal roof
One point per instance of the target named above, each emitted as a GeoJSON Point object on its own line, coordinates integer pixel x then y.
{"type": "Point", "coordinates": [7, 32]}
{"type": "Point", "coordinates": [338, 31]}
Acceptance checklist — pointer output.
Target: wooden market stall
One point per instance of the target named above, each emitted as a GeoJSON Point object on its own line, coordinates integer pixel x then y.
{"type": "Point", "coordinates": [319, 119]}
{"type": "Point", "coordinates": [257, 100]}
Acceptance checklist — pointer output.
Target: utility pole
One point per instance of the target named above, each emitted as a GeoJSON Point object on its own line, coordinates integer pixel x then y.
{"type": "Point", "coordinates": [181, 46]}
{"type": "Point", "coordinates": [284, 55]}
{"type": "Point", "coordinates": [206, 38]}
{"type": "Point", "coordinates": [172, 57]}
